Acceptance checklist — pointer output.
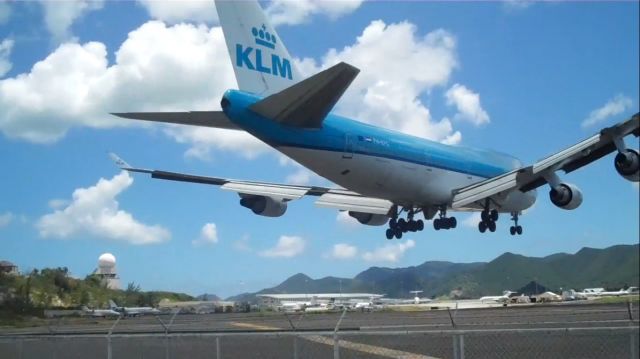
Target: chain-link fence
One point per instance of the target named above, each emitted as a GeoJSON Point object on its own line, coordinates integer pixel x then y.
{"type": "Point", "coordinates": [596, 342]}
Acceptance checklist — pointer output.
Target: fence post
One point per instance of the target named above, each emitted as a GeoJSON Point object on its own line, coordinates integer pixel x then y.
{"type": "Point", "coordinates": [218, 349]}
{"type": "Point", "coordinates": [19, 349]}
{"type": "Point", "coordinates": [336, 340]}
{"type": "Point", "coordinates": [634, 345]}
{"type": "Point", "coordinates": [109, 337]}
{"type": "Point", "coordinates": [455, 347]}
{"type": "Point", "coordinates": [458, 346]}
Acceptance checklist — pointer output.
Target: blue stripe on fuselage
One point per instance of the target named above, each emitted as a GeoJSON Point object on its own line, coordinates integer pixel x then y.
{"type": "Point", "coordinates": [367, 140]}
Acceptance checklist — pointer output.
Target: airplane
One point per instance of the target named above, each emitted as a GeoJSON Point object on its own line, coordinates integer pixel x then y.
{"type": "Point", "coordinates": [504, 298]}
{"type": "Point", "coordinates": [99, 313]}
{"type": "Point", "coordinates": [382, 176]}
{"type": "Point", "coordinates": [133, 311]}
{"type": "Point", "coordinates": [417, 299]}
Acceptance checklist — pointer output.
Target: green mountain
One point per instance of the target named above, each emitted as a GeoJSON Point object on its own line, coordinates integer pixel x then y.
{"type": "Point", "coordinates": [612, 267]}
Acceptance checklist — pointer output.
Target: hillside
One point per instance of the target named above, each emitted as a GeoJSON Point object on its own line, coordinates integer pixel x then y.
{"type": "Point", "coordinates": [612, 267]}
{"type": "Point", "coordinates": [32, 292]}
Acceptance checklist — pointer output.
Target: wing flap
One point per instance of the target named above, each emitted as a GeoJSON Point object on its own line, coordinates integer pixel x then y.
{"type": "Point", "coordinates": [354, 203]}
{"type": "Point", "coordinates": [308, 102]}
{"type": "Point", "coordinates": [286, 192]}
{"type": "Point", "coordinates": [216, 119]}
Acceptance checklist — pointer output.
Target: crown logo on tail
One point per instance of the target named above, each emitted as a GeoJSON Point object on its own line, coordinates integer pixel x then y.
{"type": "Point", "coordinates": [263, 37]}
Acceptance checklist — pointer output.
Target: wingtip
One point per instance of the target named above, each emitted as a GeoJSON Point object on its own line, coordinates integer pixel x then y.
{"type": "Point", "coordinates": [119, 161]}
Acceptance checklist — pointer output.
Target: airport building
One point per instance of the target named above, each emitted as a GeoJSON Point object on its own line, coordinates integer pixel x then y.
{"type": "Point", "coordinates": [8, 267]}
{"type": "Point", "coordinates": [275, 301]}
{"type": "Point", "coordinates": [107, 271]}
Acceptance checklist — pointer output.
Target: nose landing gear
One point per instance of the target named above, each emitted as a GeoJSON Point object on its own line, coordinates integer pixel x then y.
{"type": "Point", "coordinates": [515, 229]}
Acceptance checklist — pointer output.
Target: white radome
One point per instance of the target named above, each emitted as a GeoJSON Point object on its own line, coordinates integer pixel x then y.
{"type": "Point", "coordinates": [107, 260]}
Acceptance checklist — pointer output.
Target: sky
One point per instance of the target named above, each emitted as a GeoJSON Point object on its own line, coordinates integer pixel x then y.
{"type": "Point", "coordinates": [525, 78]}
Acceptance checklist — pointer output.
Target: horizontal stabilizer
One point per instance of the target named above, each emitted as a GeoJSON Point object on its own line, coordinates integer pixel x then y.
{"type": "Point", "coordinates": [215, 119]}
{"type": "Point", "coordinates": [308, 102]}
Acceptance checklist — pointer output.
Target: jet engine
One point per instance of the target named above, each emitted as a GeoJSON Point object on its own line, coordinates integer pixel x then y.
{"type": "Point", "coordinates": [370, 219]}
{"type": "Point", "coordinates": [566, 196]}
{"type": "Point", "coordinates": [264, 206]}
{"type": "Point", "coordinates": [627, 164]}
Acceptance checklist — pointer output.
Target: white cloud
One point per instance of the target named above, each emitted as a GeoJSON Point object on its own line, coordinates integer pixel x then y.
{"type": "Point", "coordinates": [57, 203]}
{"type": "Point", "coordinates": [157, 68]}
{"type": "Point", "coordinates": [242, 244]}
{"type": "Point", "coordinates": [169, 68]}
{"type": "Point", "coordinates": [95, 211]}
{"type": "Point", "coordinates": [60, 15]}
{"type": "Point", "coordinates": [175, 11]}
{"type": "Point", "coordinates": [614, 106]}
{"type": "Point", "coordinates": [392, 252]}
{"type": "Point", "coordinates": [346, 220]}
{"type": "Point", "coordinates": [343, 251]}
{"type": "Point", "coordinates": [397, 67]}
{"type": "Point", "coordinates": [287, 246]}
{"type": "Point", "coordinates": [5, 12]}
{"type": "Point", "coordinates": [5, 52]}
{"type": "Point", "coordinates": [293, 12]}
{"type": "Point", "coordinates": [208, 235]}
{"type": "Point", "coordinates": [468, 105]}
{"type": "Point", "coordinates": [515, 5]}
{"type": "Point", "coordinates": [6, 219]}
{"type": "Point", "coordinates": [301, 177]}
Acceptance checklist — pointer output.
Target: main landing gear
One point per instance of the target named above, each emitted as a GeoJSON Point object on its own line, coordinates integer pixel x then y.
{"type": "Point", "coordinates": [399, 226]}
{"type": "Point", "coordinates": [515, 229]}
{"type": "Point", "coordinates": [488, 220]}
{"type": "Point", "coordinates": [444, 222]}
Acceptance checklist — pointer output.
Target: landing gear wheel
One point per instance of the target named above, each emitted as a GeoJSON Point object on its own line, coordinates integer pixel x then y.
{"type": "Point", "coordinates": [390, 233]}
{"type": "Point", "coordinates": [494, 215]}
{"type": "Point", "coordinates": [453, 222]}
{"type": "Point", "coordinates": [492, 226]}
{"type": "Point", "coordinates": [484, 216]}
{"type": "Point", "coordinates": [482, 226]}
{"type": "Point", "coordinates": [398, 233]}
{"type": "Point", "coordinates": [436, 224]}
{"type": "Point", "coordinates": [393, 223]}
{"type": "Point", "coordinates": [519, 230]}
{"type": "Point", "coordinates": [512, 230]}
{"type": "Point", "coordinates": [402, 225]}
{"type": "Point", "coordinates": [420, 224]}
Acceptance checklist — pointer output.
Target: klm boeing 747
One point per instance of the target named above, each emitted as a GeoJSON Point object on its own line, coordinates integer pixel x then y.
{"type": "Point", "coordinates": [384, 177]}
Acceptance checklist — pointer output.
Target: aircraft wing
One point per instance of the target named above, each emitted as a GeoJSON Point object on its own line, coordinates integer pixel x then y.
{"type": "Point", "coordinates": [534, 176]}
{"type": "Point", "coordinates": [336, 198]}
{"type": "Point", "coordinates": [215, 119]}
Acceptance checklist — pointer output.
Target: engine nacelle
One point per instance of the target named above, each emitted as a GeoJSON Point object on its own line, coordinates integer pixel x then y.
{"type": "Point", "coordinates": [370, 219]}
{"type": "Point", "coordinates": [627, 164]}
{"type": "Point", "coordinates": [566, 196]}
{"type": "Point", "coordinates": [264, 206]}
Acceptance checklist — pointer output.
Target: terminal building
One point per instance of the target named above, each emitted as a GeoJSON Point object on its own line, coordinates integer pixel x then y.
{"type": "Point", "coordinates": [276, 301]}
{"type": "Point", "coordinates": [107, 271]}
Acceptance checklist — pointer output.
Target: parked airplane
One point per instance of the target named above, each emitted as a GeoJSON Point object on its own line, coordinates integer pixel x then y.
{"type": "Point", "coordinates": [416, 299]}
{"type": "Point", "coordinates": [504, 298]}
{"type": "Point", "coordinates": [384, 175]}
{"type": "Point", "coordinates": [133, 311]}
{"type": "Point", "coordinates": [99, 313]}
